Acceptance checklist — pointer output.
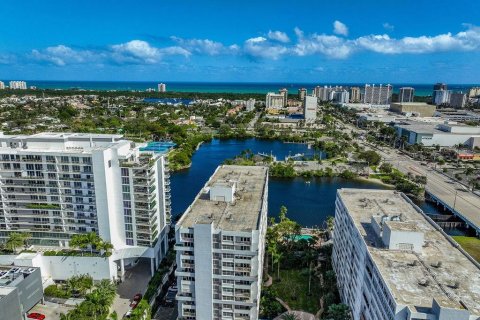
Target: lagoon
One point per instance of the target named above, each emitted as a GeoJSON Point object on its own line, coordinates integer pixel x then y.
{"type": "Point", "coordinates": [309, 202]}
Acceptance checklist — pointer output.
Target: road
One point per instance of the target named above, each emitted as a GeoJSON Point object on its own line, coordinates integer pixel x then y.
{"type": "Point", "coordinates": [136, 281]}
{"type": "Point", "coordinates": [465, 203]}
{"type": "Point", "coordinates": [453, 194]}
{"type": "Point", "coordinates": [251, 124]}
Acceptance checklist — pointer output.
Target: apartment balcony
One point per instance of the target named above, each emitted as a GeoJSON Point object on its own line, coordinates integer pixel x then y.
{"type": "Point", "coordinates": [184, 296]}
{"type": "Point", "coordinates": [167, 182]}
{"type": "Point", "coordinates": [182, 273]}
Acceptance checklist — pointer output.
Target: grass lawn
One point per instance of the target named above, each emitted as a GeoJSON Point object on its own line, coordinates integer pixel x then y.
{"type": "Point", "coordinates": [469, 244]}
{"type": "Point", "coordinates": [293, 289]}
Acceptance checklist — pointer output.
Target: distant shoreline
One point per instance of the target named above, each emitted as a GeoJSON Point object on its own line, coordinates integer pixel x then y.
{"type": "Point", "coordinates": [421, 90]}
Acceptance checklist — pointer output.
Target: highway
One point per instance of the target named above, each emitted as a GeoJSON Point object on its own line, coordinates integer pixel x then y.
{"type": "Point", "coordinates": [457, 197]}
{"type": "Point", "coordinates": [464, 203]}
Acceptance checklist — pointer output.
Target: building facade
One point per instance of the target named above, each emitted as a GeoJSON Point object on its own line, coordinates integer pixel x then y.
{"type": "Point", "coordinates": [2, 85]}
{"type": "Point", "coordinates": [302, 93]}
{"type": "Point", "coordinates": [220, 242]}
{"type": "Point", "coordinates": [20, 85]}
{"type": "Point", "coordinates": [355, 94]}
{"type": "Point", "coordinates": [310, 108]}
{"type": "Point", "coordinates": [284, 93]}
{"type": "Point", "coordinates": [406, 94]}
{"type": "Point", "coordinates": [441, 97]}
{"type": "Point", "coordinates": [274, 101]}
{"type": "Point", "coordinates": [250, 105]}
{"type": "Point", "coordinates": [380, 95]}
{"type": "Point", "coordinates": [20, 290]}
{"type": "Point", "coordinates": [458, 100]}
{"type": "Point", "coordinates": [55, 185]}
{"type": "Point", "coordinates": [162, 87]}
{"type": "Point", "coordinates": [474, 92]}
{"type": "Point", "coordinates": [394, 263]}
{"type": "Point", "coordinates": [419, 109]}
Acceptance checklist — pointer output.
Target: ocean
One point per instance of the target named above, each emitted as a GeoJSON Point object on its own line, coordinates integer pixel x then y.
{"type": "Point", "coordinates": [219, 87]}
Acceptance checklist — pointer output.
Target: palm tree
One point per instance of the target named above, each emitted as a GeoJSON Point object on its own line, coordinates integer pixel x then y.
{"type": "Point", "coordinates": [289, 316]}
{"type": "Point", "coordinates": [16, 240]}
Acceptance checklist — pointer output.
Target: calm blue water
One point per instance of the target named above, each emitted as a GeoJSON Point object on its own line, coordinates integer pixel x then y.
{"type": "Point", "coordinates": [308, 204]}
{"type": "Point", "coordinates": [233, 87]}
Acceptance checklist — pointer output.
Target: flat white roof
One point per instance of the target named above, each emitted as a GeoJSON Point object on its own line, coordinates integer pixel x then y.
{"type": "Point", "coordinates": [455, 282]}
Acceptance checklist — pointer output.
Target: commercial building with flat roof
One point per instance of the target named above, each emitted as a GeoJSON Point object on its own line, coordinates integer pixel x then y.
{"type": "Point", "coordinates": [220, 242]}
{"type": "Point", "coordinates": [20, 290]}
{"type": "Point", "coordinates": [443, 134]}
{"type": "Point", "coordinates": [414, 108]}
{"type": "Point", "coordinates": [377, 94]}
{"type": "Point", "coordinates": [274, 101]}
{"type": "Point", "coordinates": [310, 108]}
{"type": "Point", "coordinates": [393, 262]}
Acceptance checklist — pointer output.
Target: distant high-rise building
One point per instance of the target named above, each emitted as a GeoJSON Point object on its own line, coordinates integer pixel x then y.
{"type": "Point", "coordinates": [441, 97]}
{"type": "Point", "coordinates": [377, 94]}
{"type": "Point", "coordinates": [274, 101]}
{"type": "Point", "coordinates": [302, 93]}
{"type": "Point", "coordinates": [21, 85]}
{"type": "Point", "coordinates": [310, 108]}
{"type": "Point", "coordinates": [325, 93]}
{"type": "Point", "coordinates": [2, 85]}
{"type": "Point", "coordinates": [355, 95]}
{"type": "Point", "coordinates": [250, 105]}
{"type": "Point", "coordinates": [162, 87]}
{"type": "Point", "coordinates": [406, 94]}
{"type": "Point", "coordinates": [284, 93]}
{"type": "Point", "coordinates": [342, 96]}
{"type": "Point", "coordinates": [436, 87]}
{"type": "Point", "coordinates": [220, 245]}
{"type": "Point", "coordinates": [458, 100]}
{"type": "Point", "coordinates": [474, 92]}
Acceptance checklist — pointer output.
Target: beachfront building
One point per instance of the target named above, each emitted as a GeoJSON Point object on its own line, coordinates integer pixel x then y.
{"type": "Point", "coordinates": [2, 85]}
{"type": "Point", "coordinates": [162, 87]}
{"type": "Point", "coordinates": [355, 94]}
{"type": "Point", "coordinates": [55, 185]}
{"type": "Point", "coordinates": [378, 95]}
{"type": "Point", "coordinates": [394, 263]}
{"type": "Point", "coordinates": [406, 94]}
{"type": "Point", "coordinates": [220, 243]}
{"type": "Point", "coordinates": [250, 105]}
{"type": "Point", "coordinates": [18, 85]}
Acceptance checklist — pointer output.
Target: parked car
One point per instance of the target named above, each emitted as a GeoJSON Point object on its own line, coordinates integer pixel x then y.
{"type": "Point", "coordinates": [36, 316]}
{"type": "Point", "coordinates": [137, 297]}
{"type": "Point", "coordinates": [170, 297]}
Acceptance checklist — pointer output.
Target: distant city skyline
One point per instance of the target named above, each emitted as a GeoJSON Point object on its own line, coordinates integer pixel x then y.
{"type": "Point", "coordinates": [281, 41]}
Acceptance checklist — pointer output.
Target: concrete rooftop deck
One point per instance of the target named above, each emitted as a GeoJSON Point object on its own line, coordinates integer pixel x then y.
{"type": "Point", "coordinates": [240, 215]}
{"type": "Point", "coordinates": [440, 271]}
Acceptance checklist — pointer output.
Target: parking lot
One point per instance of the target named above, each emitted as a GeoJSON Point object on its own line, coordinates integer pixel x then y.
{"type": "Point", "coordinates": [51, 310]}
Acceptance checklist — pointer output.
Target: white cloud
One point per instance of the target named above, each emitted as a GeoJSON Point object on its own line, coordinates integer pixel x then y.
{"type": "Point", "coordinates": [259, 47]}
{"type": "Point", "coordinates": [135, 51]}
{"type": "Point", "coordinates": [388, 26]}
{"type": "Point", "coordinates": [204, 46]}
{"type": "Point", "coordinates": [331, 46]}
{"type": "Point", "coordinates": [278, 36]}
{"type": "Point", "coordinates": [340, 28]}
{"type": "Point", "coordinates": [61, 55]}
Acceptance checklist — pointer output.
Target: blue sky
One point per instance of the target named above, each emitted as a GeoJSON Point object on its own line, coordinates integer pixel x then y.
{"type": "Point", "coordinates": [408, 41]}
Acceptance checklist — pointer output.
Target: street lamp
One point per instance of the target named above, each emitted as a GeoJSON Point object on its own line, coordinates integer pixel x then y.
{"type": "Point", "coordinates": [455, 201]}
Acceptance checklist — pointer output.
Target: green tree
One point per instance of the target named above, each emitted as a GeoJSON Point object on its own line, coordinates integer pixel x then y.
{"type": "Point", "coordinates": [371, 157]}
{"type": "Point", "coordinates": [338, 312]}
{"type": "Point", "coordinates": [16, 240]}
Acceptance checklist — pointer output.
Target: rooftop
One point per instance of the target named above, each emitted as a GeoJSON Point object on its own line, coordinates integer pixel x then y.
{"type": "Point", "coordinates": [240, 215]}
{"type": "Point", "coordinates": [439, 271]}
{"type": "Point", "coordinates": [59, 142]}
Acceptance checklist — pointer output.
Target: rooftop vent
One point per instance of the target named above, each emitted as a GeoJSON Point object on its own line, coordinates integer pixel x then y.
{"type": "Point", "coordinates": [423, 282]}
{"type": "Point", "coordinates": [436, 264]}
{"type": "Point", "coordinates": [413, 263]}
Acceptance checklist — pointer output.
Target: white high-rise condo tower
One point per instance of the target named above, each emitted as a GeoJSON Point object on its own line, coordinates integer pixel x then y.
{"type": "Point", "coordinates": [220, 246]}
{"type": "Point", "coordinates": [55, 185]}
{"type": "Point", "coordinates": [394, 263]}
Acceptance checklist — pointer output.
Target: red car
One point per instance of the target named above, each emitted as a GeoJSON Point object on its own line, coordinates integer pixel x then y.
{"type": "Point", "coordinates": [36, 316]}
{"type": "Point", "coordinates": [137, 297]}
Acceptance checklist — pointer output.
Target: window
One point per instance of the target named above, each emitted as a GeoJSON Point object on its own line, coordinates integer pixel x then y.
{"type": "Point", "coordinates": [125, 188]}
{"type": "Point", "coordinates": [50, 159]}
{"type": "Point", "coordinates": [64, 159]}
{"type": "Point", "coordinates": [109, 163]}
{"type": "Point", "coordinates": [125, 180]}
{"type": "Point", "coordinates": [125, 172]}
{"type": "Point", "coordinates": [75, 159]}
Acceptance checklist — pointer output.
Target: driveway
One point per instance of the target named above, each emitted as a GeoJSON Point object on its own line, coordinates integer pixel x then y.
{"type": "Point", "coordinates": [166, 313]}
{"type": "Point", "coordinates": [51, 310]}
{"type": "Point", "coordinates": [136, 281]}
